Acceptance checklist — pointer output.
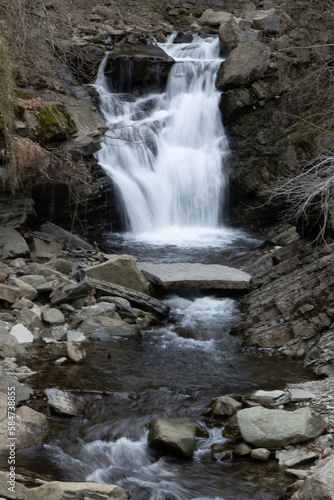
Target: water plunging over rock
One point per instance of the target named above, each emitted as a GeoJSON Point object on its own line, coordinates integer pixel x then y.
{"type": "Point", "coordinates": [167, 153]}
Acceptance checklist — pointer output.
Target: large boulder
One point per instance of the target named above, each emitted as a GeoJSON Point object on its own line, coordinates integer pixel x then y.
{"type": "Point", "coordinates": [121, 270]}
{"type": "Point", "coordinates": [133, 66]}
{"type": "Point", "coordinates": [245, 64]}
{"type": "Point", "coordinates": [31, 427]}
{"type": "Point", "coordinates": [176, 436]}
{"type": "Point", "coordinates": [275, 428]}
{"type": "Point", "coordinates": [57, 490]}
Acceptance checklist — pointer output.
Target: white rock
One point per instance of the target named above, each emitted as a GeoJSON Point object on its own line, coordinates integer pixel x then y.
{"type": "Point", "coordinates": [22, 334]}
{"type": "Point", "coordinates": [260, 454]}
{"type": "Point", "coordinates": [301, 395]}
{"type": "Point", "coordinates": [61, 401]}
{"type": "Point", "coordinates": [75, 352]}
{"type": "Point", "coordinates": [76, 336]}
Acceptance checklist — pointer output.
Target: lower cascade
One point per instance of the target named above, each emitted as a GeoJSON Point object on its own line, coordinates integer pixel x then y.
{"type": "Point", "coordinates": [167, 152]}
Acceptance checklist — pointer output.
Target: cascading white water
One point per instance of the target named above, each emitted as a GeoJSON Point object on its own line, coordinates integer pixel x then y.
{"type": "Point", "coordinates": [168, 164]}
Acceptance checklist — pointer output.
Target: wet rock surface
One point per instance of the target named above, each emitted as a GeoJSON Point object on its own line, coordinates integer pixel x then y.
{"type": "Point", "coordinates": [184, 275]}
{"type": "Point", "coordinates": [175, 436]}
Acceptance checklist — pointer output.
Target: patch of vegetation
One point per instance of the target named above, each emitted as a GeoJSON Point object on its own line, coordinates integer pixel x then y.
{"type": "Point", "coordinates": [55, 123]}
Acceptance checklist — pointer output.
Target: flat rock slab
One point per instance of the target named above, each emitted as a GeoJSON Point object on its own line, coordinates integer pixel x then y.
{"type": "Point", "coordinates": [184, 275]}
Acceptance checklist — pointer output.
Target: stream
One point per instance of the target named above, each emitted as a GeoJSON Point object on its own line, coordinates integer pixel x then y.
{"type": "Point", "coordinates": [167, 154]}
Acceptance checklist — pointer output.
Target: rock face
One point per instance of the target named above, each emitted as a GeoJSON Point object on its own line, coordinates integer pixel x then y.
{"type": "Point", "coordinates": [320, 484]}
{"type": "Point", "coordinates": [291, 305]}
{"type": "Point", "coordinates": [275, 428]}
{"type": "Point", "coordinates": [184, 275]}
{"type": "Point", "coordinates": [121, 270]}
{"type": "Point", "coordinates": [175, 436]}
{"type": "Point", "coordinates": [133, 66]}
{"type": "Point", "coordinates": [245, 64]}
{"type": "Point", "coordinates": [67, 491]}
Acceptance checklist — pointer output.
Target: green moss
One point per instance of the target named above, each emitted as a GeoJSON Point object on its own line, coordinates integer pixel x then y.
{"type": "Point", "coordinates": [22, 94]}
{"type": "Point", "coordinates": [55, 123]}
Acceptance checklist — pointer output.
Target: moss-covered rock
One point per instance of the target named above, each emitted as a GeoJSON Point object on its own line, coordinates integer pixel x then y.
{"type": "Point", "coordinates": [55, 123]}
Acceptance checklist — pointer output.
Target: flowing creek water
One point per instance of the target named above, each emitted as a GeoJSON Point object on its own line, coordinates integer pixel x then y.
{"type": "Point", "coordinates": [169, 166]}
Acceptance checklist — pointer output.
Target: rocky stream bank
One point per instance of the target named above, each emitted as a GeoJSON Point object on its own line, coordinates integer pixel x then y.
{"type": "Point", "coordinates": [54, 302]}
{"type": "Point", "coordinates": [59, 293]}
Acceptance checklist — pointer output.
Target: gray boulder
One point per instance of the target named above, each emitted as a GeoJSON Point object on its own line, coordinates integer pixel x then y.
{"type": "Point", "coordinates": [320, 485]}
{"type": "Point", "coordinates": [30, 317]}
{"type": "Point", "coordinates": [9, 293]}
{"type": "Point", "coordinates": [176, 436]}
{"type": "Point", "coordinates": [12, 244]}
{"type": "Point", "coordinates": [48, 272]}
{"type": "Point", "coordinates": [294, 456]}
{"type": "Point", "coordinates": [275, 428]}
{"type": "Point", "coordinates": [70, 293]}
{"type": "Point", "coordinates": [229, 33]}
{"type": "Point", "coordinates": [242, 450]}
{"type": "Point", "coordinates": [27, 291]}
{"type": "Point", "coordinates": [72, 241]}
{"type": "Point", "coordinates": [17, 492]}
{"type": "Point", "coordinates": [54, 316]}
{"type": "Point", "coordinates": [45, 247]}
{"type": "Point", "coordinates": [57, 490]}
{"type": "Point", "coordinates": [121, 270]}
{"type": "Point", "coordinates": [100, 309]}
{"type": "Point", "coordinates": [22, 392]}
{"type": "Point", "coordinates": [112, 326]}
{"type": "Point", "coordinates": [261, 454]}
{"type": "Point", "coordinates": [213, 18]}
{"type": "Point", "coordinates": [245, 64]}
{"type": "Point", "coordinates": [225, 406]}
{"type": "Point", "coordinates": [31, 427]}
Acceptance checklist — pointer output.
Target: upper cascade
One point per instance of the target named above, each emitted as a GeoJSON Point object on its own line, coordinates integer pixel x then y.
{"type": "Point", "coordinates": [167, 152]}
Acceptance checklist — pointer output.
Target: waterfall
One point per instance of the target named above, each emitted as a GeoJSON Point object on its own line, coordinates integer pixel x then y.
{"type": "Point", "coordinates": [167, 152]}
